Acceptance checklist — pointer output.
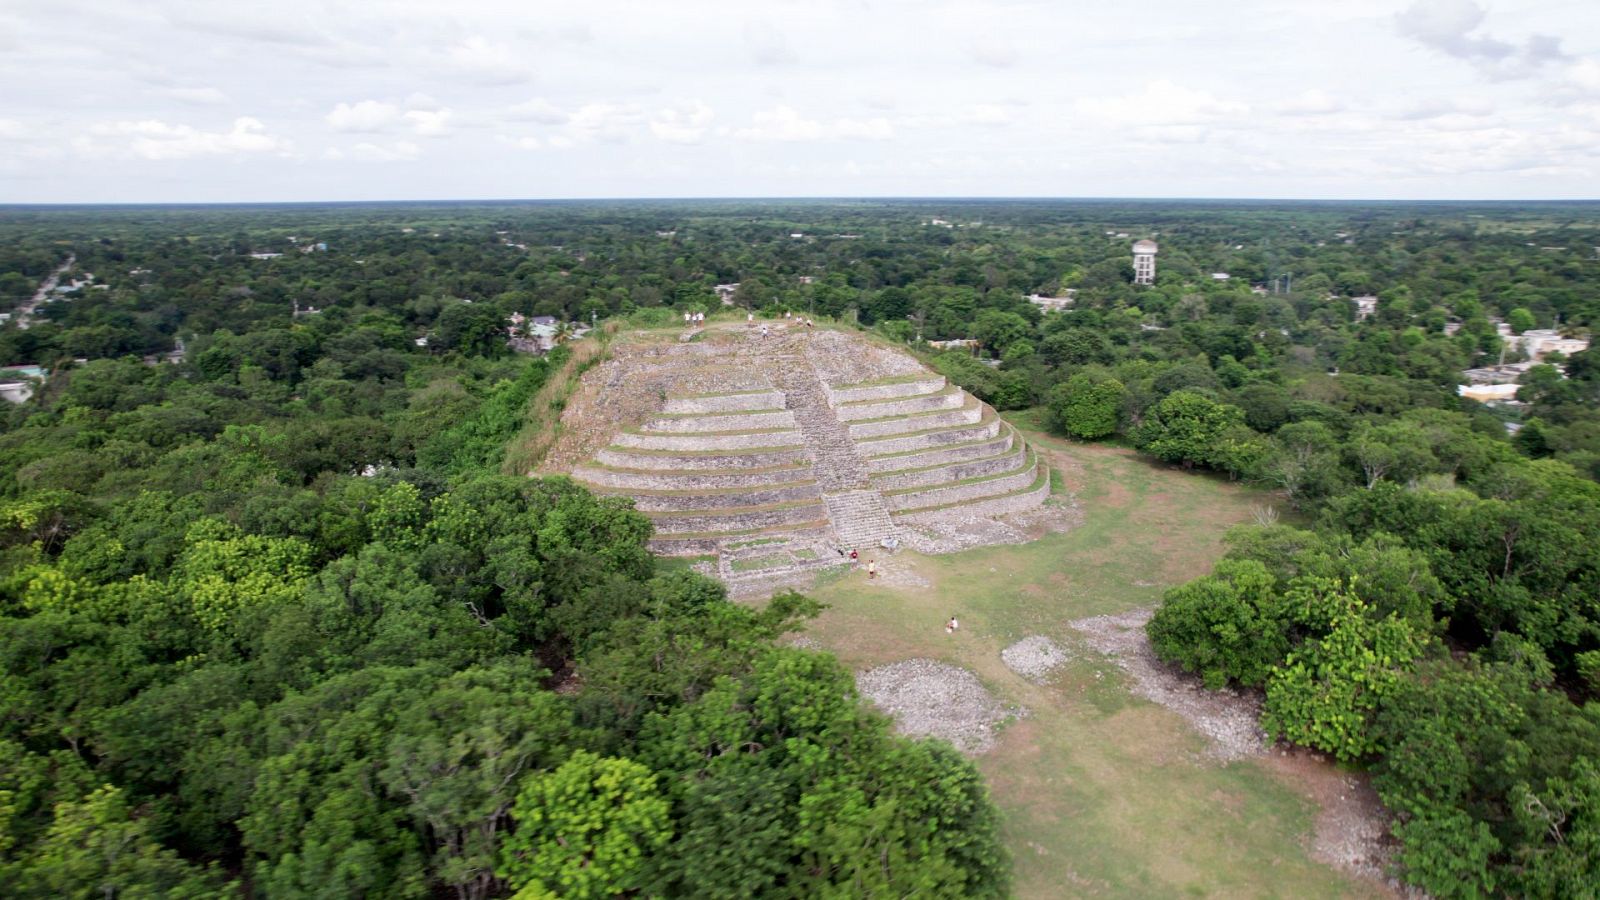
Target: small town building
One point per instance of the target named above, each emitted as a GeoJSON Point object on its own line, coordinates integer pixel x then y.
{"type": "Point", "coordinates": [1366, 305]}
{"type": "Point", "coordinates": [1054, 304]}
{"type": "Point", "coordinates": [1488, 393]}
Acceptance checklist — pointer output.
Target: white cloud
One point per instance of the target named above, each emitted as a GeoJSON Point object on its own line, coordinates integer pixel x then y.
{"type": "Point", "coordinates": [1452, 28]}
{"type": "Point", "coordinates": [996, 51]}
{"type": "Point", "coordinates": [1310, 103]}
{"type": "Point", "coordinates": [601, 122]}
{"type": "Point", "coordinates": [371, 151]}
{"type": "Point", "coordinates": [425, 118]}
{"type": "Point", "coordinates": [12, 130]}
{"type": "Point", "coordinates": [1163, 103]}
{"type": "Point", "coordinates": [429, 123]}
{"type": "Point", "coordinates": [202, 96]}
{"type": "Point", "coordinates": [768, 45]}
{"type": "Point", "coordinates": [684, 124]}
{"type": "Point", "coordinates": [536, 110]}
{"type": "Point", "coordinates": [784, 123]}
{"type": "Point", "coordinates": [156, 140]}
{"type": "Point", "coordinates": [487, 62]}
{"type": "Point", "coordinates": [365, 116]}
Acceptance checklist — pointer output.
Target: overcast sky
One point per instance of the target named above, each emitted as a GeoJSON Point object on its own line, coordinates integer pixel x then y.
{"type": "Point", "coordinates": [233, 100]}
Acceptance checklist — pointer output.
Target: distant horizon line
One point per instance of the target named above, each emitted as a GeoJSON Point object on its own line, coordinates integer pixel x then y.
{"type": "Point", "coordinates": [862, 198]}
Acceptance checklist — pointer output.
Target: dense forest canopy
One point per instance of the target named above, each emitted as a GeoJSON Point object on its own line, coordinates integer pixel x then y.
{"type": "Point", "coordinates": [279, 613]}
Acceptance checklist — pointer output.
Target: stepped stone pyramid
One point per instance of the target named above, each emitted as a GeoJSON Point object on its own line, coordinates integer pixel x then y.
{"type": "Point", "coordinates": [775, 456]}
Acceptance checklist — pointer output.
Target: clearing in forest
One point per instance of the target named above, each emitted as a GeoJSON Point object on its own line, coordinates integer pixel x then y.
{"type": "Point", "coordinates": [1104, 791]}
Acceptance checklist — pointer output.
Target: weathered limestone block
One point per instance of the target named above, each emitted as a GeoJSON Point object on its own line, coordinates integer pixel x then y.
{"type": "Point", "coordinates": [693, 523]}
{"type": "Point", "coordinates": [658, 480]}
{"type": "Point", "coordinates": [929, 440]}
{"type": "Point", "coordinates": [725, 403]}
{"type": "Point", "coordinates": [909, 406]}
{"type": "Point", "coordinates": [669, 462]}
{"type": "Point", "coordinates": [779, 418]}
{"type": "Point", "coordinates": [994, 506]}
{"type": "Point", "coordinates": [1007, 461]}
{"type": "Point", "coordinates": [961, 493]}
{"type": "Point", "coordinates": [929, 385]}
{"type": "Point", "coordinates": [943, 456]}
{"type": "Point", "coordinates": [704, 501]}
{"type": "Point", "coordinates": [684, 546]}
{"type": "Point", "coordinates": [708, 441]}
{"type": "Point", "coordinates": [967, 415]}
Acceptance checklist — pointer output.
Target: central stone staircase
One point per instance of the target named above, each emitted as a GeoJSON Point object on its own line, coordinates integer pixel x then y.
{"type": "Point", "coordinates": [857, 511]}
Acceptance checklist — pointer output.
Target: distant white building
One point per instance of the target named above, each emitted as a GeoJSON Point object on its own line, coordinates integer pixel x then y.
{"type": "Point", "coordinates": [1365, 306]}
{"type": "Point", "coordinates": [1054, 304]}
{"type": "Point", "coordinates": [1536, 342]}
{"type": "Point", "coordinates": [1144, 262]}
{"type": "Point", "coordinates": [1220, 276]}
{"type": "Point", "coordinates": [1488, 393]}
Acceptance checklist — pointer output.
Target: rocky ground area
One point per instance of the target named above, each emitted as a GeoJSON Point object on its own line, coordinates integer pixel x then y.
{"type": "Point", "coordinates": [954, 530]}
{"type": "Point", "coordinates": [1033, 657]}
{"type": "Point", "coordinates": [931, 699]}
{"type": "Point", "coordinates": [1351, 831]}
{"type": "Point", "coordinates": [1228, 718]}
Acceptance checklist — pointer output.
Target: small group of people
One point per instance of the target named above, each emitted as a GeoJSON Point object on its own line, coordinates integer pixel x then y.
{"type": "Point", "coordinates": [855, 560]}
{"type": "Point", "coordinates": [804, 322]}
{"type": "Point", "coordinates": [691, 319]}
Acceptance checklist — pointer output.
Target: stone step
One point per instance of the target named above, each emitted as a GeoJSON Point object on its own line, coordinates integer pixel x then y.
{"type": "Point", "coordinates": [1005, 483]}
{"type": "Point", "coordinates": [690, 461]}
{"type": "Point", "coordinates": [934, 476]}
{"type": "Point", "coordinates": [860, 517]}
{"type": "Point", "coordinates": [909, 388]}
{"type": "Point", "coordinates": [697, 442]}
{"type": "Point", "coordinates": [661, 480]}
{"type": "Point", "coordinates": [968, 414]}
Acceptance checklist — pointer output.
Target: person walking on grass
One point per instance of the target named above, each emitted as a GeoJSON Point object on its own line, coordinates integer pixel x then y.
{"type": "Point", "coordinates": [872, 568]}
{"type": "Point", "coordinates": [952, 626]}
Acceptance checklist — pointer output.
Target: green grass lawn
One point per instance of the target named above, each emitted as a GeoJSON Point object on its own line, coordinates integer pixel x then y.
{"type": "Point", "coordinates": [1104, 794]}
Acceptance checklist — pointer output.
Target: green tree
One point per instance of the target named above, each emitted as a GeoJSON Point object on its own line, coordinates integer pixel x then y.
{"type": "Point", "coordinates": [1087, 406]}
{"type": "Point", "coordinates": [1327, 692]}
{"type": "Point", "coordinates": [96, 848]}
{"type": "Point", "coordinates": [1228, 626]}
{"type": "Point", "coordinates": [585, 829]}
{"type": "Point", "coordinates": [1187, 427]}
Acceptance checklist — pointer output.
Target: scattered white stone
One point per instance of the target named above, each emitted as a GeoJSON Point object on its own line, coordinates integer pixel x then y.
{"type": "Point", "coordinates": [1033, 657]}
{"type": "Point", "coordinates": [1228, 717]}
{"type": "Point", "coordinates": [931, 699]}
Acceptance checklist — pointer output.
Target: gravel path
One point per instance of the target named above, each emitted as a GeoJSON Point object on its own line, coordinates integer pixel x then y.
{"type": "Point", "coordinates": [1033, 657]}
{"type": "Point", "coordinates": [931, 699]}
{"type": "Point", "coordinates": [1228, 717]}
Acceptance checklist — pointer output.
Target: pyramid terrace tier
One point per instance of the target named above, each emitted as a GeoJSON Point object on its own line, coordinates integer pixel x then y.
{"type": "Point", "coordinates": [739, 521]}
{"type": "Point", "coordinates": [987, 428]}
{"type": "Point", "coordinates": [947, 398]}
{"type": "Point", "coordinates": [965, 490]}
{"type": "Point", "coordinates": [890, 389]}
{"type": "Point", "coordinates": [965, 451]}
{"type": "Point", "coordinates": [698, 423]}
{"type": "Point", "coordinates": [1010, 457]}
{"type": "Point", "coordinates": [722, 499]}
{"type": "Point", "coordinates": [677, 479]}
{"type": "Point", "coordinates": [747, 401]}
{"type": "Point", "coordinates": [759, 440]}
{"type": "Point", "coordinates": [970, 412]}
{"type": "Point", "coordinates": [707, 461]}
